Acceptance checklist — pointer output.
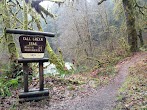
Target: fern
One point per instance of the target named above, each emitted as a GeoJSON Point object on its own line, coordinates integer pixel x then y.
{"type": "Point", "coordinates": [6, 84]}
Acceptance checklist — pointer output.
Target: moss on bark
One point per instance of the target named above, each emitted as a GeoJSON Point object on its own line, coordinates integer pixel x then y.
{"type": "Point", "coordinates": [9, 37]}
{"type": "Point", "coordinates": [58, 61]}
{"type": "Point", "coordinates": [130, 22]}
{"type": "Point", "coordinates": [25, 16]}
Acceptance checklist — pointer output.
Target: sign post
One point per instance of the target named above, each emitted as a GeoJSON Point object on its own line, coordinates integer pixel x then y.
{"type": "Point", "coordinates": [32, 45]}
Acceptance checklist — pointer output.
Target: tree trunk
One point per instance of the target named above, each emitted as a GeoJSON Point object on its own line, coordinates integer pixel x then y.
{"type": "Point", "coordinates": [130, 22]}
{"type": "Point", "coordinates": [140, 37]}
{"type": "Point", "coordinates": [90, 52]}
{"type": "Point", "coordinates": [25, 16]}
{"type": "Point", "coordinates": [8, 37]}
{"type": "Point", "coordinates": [53, 57]}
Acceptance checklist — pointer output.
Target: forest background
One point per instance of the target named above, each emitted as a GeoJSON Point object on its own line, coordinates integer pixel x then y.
{"type": "Point", "coordinates": [89, 34]}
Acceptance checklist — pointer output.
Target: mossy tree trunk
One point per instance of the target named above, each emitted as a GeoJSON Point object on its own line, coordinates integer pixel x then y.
{"type": "Point", "coordinates": [25, 16]}
{"type": "Point", "coordinates": [53, 57]}
{"type": "Point", "coordinates": [130, 22]}
{"type": "Point", "coordinates": [9, 37]}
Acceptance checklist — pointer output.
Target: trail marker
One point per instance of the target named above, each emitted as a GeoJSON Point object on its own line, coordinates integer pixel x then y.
{"type": "Point", "coordinates": [32, 45]}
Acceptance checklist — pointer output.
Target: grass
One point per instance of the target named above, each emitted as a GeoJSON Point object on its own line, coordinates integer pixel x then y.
{"type": "Point", "coordinates": [132, 94]}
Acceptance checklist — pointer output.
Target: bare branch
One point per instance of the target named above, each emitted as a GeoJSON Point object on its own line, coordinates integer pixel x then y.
{"type": "Point", "coordinates": [47, 13]}
{"type": "Point", "coordinates": [141, 12]}
{"type": "Point", "coordinates": [101, 2]}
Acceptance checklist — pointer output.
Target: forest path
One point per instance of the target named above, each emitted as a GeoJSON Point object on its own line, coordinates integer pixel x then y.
{"type": "Point", "coordinates": [104, 98]}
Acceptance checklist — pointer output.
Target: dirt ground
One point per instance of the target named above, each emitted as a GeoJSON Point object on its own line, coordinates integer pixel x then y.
{"type": "Point", "coordinates": [100, 98]}
{"type": "Point", "coordinates": [104, 97]}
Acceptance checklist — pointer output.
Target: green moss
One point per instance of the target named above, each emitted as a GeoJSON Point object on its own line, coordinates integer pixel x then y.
{"type": "Point", "coordinates": [53, 58]}
{"type": "Point", "coordinates": [57, 60]}
{"type": "Point", "coordinates": [25, 16]}
{"type": "Point", "coordinates": [13, 50]}
{"type": "Point", "coordinates": [9, 38]}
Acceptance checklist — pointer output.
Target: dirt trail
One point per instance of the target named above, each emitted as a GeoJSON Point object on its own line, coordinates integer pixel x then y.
{"type": "Point", "coordinates": [104, 97]}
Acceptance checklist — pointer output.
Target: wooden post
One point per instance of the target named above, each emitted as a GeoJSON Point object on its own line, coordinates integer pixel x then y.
{"type": "Point", "coordinates": [34, 94]}
{"type": "Point", "coordinates": [25, 71]}
{"type": "Point", "coordinates": [29, 32]}
{"type": "Point", "coordinates": [30, 55]}
{"type": "Point", "coordinates": [41, 78]}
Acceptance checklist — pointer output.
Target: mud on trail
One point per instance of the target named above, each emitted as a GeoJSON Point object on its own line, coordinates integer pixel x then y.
{"type": "Point", "coordinates": [104, 97]}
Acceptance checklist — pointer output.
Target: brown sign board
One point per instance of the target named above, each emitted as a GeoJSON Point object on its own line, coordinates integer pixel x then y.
{"type": "Point", "coordinates": [32, 46]}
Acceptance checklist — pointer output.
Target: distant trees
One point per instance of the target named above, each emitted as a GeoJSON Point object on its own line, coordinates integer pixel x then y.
{"type": "Point", "coordinates": [22, 14]}
{"type": "Point", "coordinates": [74, 26]}
{"type": "Point", "coordinates": [129, 7]}
{"type": "Point", "coordinates": [130, 23]}
{"type": "Point", "coordinates": [85, 30]}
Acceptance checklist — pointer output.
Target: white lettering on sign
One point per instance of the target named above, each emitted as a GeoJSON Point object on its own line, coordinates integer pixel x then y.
{"type": "Point", "coordinates": [32, 46]}
{"type": "Point", "coordinates": [27, 49]}
{"type": "Point", "coordinates": [33, 50]}
{"type": "Point", "coordinates": [37, 39]}
{"type": "Point", "coordinates": [33, 39]}
{"type": "Point", "coordinates": [27, 38]}
{"type": "Point", "coordinates": [33, 43]}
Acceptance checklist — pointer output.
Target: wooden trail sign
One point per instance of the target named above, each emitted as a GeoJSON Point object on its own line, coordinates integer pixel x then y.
{"type": "Point", "coordinates": [32, 46]}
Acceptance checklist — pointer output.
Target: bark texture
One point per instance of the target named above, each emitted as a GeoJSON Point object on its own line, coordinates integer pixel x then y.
{"type": "Point", "coordinates": [9, 37]}
{"type": "Point", "coordinates": [53, 57]}
{"type": "Point", "coordinates": [130, 22]}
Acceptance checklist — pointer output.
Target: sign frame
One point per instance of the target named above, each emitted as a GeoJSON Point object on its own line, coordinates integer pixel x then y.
{"type": "Point", "coordinates": [32, 46]}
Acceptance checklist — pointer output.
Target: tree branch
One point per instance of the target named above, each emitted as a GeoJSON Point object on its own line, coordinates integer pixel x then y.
{"type": "Point", "coordinates": [100, 2]}
{"type": "Point", "coordinates": [47, 13]}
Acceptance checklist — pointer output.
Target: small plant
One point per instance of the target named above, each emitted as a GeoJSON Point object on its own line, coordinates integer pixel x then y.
{"type": "Point", "coordinates": [6, 84]}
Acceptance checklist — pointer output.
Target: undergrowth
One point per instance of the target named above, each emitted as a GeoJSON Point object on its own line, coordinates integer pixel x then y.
{"type": "Point", "coordinates": [8, 81]}
{"type": "Point", "coordinates": [132, 94]}
{"type": "Point", "coordinates": [6, 85]}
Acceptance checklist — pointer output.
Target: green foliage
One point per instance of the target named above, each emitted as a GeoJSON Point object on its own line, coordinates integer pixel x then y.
{"type": "Point", "coordinates": [118, 10]}
{"type": "Point", "coordinates": [124, 46]}
{"type": "Point", "coordinates": [143, 48]}
{"type": "Point", "coordinates": [62, 73]}
{"type": "Point", "coordinates": [6, 85]}
{"type": "Point", "coordinates": [7, 82]}
{"type": "Point", "coordinates": [14, 70]}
